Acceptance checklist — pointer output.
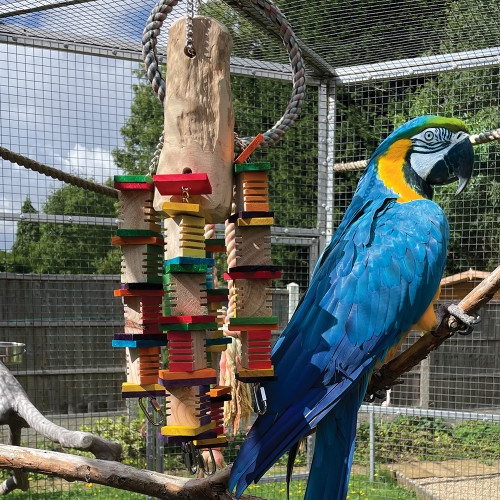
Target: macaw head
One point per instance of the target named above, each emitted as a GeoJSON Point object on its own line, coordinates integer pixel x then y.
{"type": "Point", "coordinates": [425, 152]}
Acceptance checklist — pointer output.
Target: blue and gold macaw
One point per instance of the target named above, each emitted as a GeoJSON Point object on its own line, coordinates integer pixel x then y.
{"type": "Point", "coordinates": [378, 277]}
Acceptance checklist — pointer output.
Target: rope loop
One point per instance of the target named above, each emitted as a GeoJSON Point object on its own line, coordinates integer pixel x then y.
{"type": "Point", "coordinates": [282, 26]}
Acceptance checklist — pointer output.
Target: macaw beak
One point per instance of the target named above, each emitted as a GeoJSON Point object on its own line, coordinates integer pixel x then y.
{"type": "Point", "coordinates": [460, 160]}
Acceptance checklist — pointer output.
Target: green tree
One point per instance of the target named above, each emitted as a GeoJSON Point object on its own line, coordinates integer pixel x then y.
{"type": "Point", "coordinates": [25, 248]}
{"type": "Point", "coordinates": [74, 248]}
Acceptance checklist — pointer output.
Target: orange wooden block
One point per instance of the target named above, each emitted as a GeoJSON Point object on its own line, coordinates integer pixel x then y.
{"type": "Point", "coordinates": [133, 240]}
{"type": "Point", "coordinates": [250, 149]}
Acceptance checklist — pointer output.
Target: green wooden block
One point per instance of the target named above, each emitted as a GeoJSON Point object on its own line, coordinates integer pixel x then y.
{"type": "Point", "coordinates": [156, 250]}
{"type": "Point", "coordinates": [218, 291]}
{"type": "Point", "coordinates": [140, 233]}
{"type": "Point", "coordinates": [215, 241]}
{"type": "Point", "coordinates": [185, 268]}
{"type": "Point", "coordinates": [134, 178]}
{"type": "Point", "coordinates": [269, 320]}
{"type": "Point", "coordinates": [262, 166]}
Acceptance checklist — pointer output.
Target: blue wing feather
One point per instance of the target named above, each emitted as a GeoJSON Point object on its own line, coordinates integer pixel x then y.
{"type": "Point", "coordinates": [374, 280]}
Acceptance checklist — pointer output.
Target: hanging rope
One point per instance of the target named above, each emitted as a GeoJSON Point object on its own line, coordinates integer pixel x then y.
{"type": "Point", "coordinates": [55, 173]}
{"type": "Point", "coordinates": [272, 13]}
{"type": "Point", "coordinates": [476, 139]}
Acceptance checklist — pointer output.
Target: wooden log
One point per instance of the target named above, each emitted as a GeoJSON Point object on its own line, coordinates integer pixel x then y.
{"type": "Point", "coordinates": [117, 475]}
{"type": "Point", "coordinates": [389, 373]}
{"type": "Point", "coordinates": [199, 117]}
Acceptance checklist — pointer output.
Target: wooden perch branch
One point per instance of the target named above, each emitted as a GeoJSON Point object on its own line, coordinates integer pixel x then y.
{"type": "Point", "coordinates": [389, 373]}
{"type": "Point", "coordinates": [117, 475]}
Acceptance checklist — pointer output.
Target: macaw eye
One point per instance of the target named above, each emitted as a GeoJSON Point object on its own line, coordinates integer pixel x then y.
{"type": "Point", "coordinates": [429, 136]}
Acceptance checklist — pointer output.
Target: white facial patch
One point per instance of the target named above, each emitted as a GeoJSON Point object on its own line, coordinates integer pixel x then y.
{"type": "Point", "coordinates": [430, 146]}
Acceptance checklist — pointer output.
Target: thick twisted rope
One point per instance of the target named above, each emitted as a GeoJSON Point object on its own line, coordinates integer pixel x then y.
{"type": "Point", "coordinates": [476, 139]}
{"type": "Point", "coordinates": [55, 173]}
{"type": "Point", "coordinates": [271, 12]}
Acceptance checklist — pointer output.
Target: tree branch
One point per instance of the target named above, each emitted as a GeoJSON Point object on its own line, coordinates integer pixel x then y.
{"type": "Point", "coordinates": [389, 373]}
{"type": "Point", "coordinates": [116, 475]}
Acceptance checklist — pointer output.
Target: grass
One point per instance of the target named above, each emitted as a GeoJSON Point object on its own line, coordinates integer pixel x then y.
{"type": "Point", "coordinates": [360, 488]}
{"type": "Point", "coordinates": [62, 490]}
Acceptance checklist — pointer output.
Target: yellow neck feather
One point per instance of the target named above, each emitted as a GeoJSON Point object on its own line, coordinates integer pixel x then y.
{"type": "Point", "coordinates": [390, 171]}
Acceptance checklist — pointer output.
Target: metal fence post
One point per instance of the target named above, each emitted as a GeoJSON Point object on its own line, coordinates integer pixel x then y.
{"type": "Point", "coordinates": [372, 444]}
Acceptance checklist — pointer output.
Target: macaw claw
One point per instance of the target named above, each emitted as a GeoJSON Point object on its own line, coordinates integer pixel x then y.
{"type": "Point", "coordinates": [461, 323]}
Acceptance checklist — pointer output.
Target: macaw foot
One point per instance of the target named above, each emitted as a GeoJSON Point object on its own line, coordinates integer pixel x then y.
{"type": "Point", "coordinates": [462, 323]}
{"type": "Point", "coordinates": [380, 395]}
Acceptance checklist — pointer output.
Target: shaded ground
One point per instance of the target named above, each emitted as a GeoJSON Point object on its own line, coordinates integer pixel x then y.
{"type": "Point", "coordinates": [450, 480]}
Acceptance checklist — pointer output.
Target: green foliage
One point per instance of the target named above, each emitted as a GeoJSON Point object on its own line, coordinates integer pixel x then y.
{"type": "Point", "coordinates": [126, 432]}
{"type": "Point", "coordinates": [424, 438]}
{"type": "Point", "coordinates": [65, 248]}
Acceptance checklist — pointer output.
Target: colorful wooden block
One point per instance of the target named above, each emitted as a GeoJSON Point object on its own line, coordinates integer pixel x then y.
{"type": "Point", "coordinates": [187, 406]}
{"type": "Point", "coordinates": [255, 221]}
{"type": "Point", "coordinates": [204, 376]}
{"type": "Point", "coordinates": [253, 246]}
{"type": "Point", "coordinates": [254, 144]}
{"type": "Point", "coordinates": [184, 237]}
{"type": "Point", "coordinates": [136, 212]}
{"type": "Point", "coordinates": [134, 178]}
{"type": "Point", "coordinates": [142, 264]}
{"type": "Point", "coordinates": [173, 209]}
{"type": "Point", "coordinates": [141, 314]}
{"type": "Point", "coordinates": [137, 233]}
{"type": "Point", "coordinates": [175, 184]}
{"type": "Point", "coordinates": [253, 298]}
{"type": "Point", "coordinates": [186, 351]}
{"type": "Point", "coordinates": [217, 442]}
{"type": "Point", "coordinates": [252, 192]}
{"type": "Point", "coordinates": [185, 295]}
{"type": "Point", "coordinates": [186, 319]}
{"type": "Point", "coordinates": [130, 390]}
{"type": "Point", "coordinates": [249, 328]}
{"type": "Point", "coordinates": [182, 430]}
{"type": "Point", "coordinates": [132, 240]}
{"type": "Point", "coordinates": [261, 166]}
{"type": "Point", "coordinates": [253, 275]}
{"type": "Point", "coordinates": [246, 214]}
{"type": "Point", "coordinates": [133, 186]}
{"type": "Point", "coordinates": [254, 375]}
{"type": "Point", "coordinates": [143, 364]}
{"type": "Point", "coordinates": [191, 261]}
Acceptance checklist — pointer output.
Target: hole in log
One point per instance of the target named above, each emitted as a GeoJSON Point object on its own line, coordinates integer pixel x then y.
{"type": "Point", "coordinates": [187, 170]}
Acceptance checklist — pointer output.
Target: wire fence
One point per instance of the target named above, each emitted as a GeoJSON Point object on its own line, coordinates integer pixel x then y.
{"type": "Point", "coordinates": [73, 95]}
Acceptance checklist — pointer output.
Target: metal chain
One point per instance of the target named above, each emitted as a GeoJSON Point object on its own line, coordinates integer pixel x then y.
{"type": "Point", "coordinates": [189, 47]}
{"type": "Point", "coordinates": [156, 157]}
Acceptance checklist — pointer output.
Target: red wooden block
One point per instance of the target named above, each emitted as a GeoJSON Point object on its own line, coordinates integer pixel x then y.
{"type": "Point", "coordinates": [179, 335]}
{"type": "Point", "coordinates": [258, 350]}
{"type": "Point", "coordinates": [138, 293]}
{"type": "Point", "coordinates": [185, 319]}
{"type": "Point", "coordinates": [252, 275]}
{"type": "Point", "coordinates": [259, 365]}
{"type": "Point", "coordinates": [181, 357]}
{"type": "Point", "coordinates": [134, 186]}
{"type": "Point", "coordinates": [172, 184]}
{"type": "Point", "coordinates": [259, 335]}
{"type": "Point", "coordinates": [180, 367]}
{"type": "Point", "coordinates": [249, 328]}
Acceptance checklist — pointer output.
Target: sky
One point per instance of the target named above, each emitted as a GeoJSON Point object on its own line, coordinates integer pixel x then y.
{"type": "Point", "coordinates": [62, 108]}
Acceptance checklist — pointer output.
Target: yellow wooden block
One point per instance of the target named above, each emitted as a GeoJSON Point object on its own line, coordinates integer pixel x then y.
{"type": "Point", "coordinates": [213, 442]}
{"type": "Point", "coordinates": [182, 430]}
{"type": "Point", "coordinates": [191, 221]}
{"type": "Point", "coordinates": [130, 387]}
{"type": "Point", "coordinates": [188, 242]}
{"type": "Point", "coordinates": [265, 372]}
{"type": "Point", "coordinates": [192, 252]}
{"type": "Point", "coordinates": [256, 221]}
{"type": "Point", "coordinates": [172, 208]}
